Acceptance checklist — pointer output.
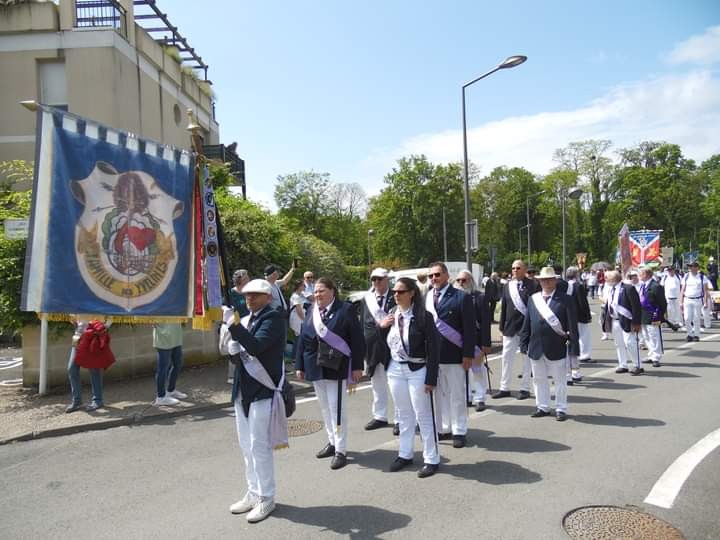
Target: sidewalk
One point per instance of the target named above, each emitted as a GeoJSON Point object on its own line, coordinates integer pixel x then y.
{"type": "Point", "coordinates": [25, 415]}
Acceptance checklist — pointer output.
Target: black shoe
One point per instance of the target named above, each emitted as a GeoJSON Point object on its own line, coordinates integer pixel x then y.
{"type": "Point", "coordinates": [376, 424]}
{"type": "Point", "coordinates": [577, 379]}
{"type": "Point", "coordinates": [73, 407]}
{"type": "Point", "coordinates": [338, 462]}
{"type": "Point", "coordinates": [396, 429]}
{"type": "Point", "coordinates": [637, 371]}
{"type": "Point", "coordinates": [656, 364]}
{"type": "Point", "coordinates": [675, 327]}
{"type": "Point", "coordinates": [689, 338]}
{"type": "Point", "coordinates": [588, 360]}
{"type": "Point", "coordinates": [445, 436]}
{"type": "Point", "coordinates": [501, 394]}
{"type": "Point", "coordinates": [400, 463]}
{"type": "Point", "coordinates": [427, 470]}
{"type": "Point", "coordinates": [621, 370]}
{"type": "Point", "coordinates": [480, 406]}
{"type": "Point", "coordinates": [459, 441]}
{"type": "Point", "coordinates": [328, 451]}
{"type": "Point", "coordinates": [93, 407]}
{"type": "Point", "coordinates": [539, 413]}
{"type": "Point", "coordinates": [570, 382]}
{"type": "Point", "coordinates": [696, 338]}
{"type": "Point", "coordinates": [523, 394]}
{"type": "Point", "coordinates": [560, 416]}
{"type": "Point", "coordinates": [647, 361]}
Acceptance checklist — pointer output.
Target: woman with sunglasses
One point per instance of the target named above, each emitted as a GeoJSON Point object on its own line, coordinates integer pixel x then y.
{"type": "Point", "coordinates": [412, 374]}
{"type": "Point", "coordinates": [479, 381]}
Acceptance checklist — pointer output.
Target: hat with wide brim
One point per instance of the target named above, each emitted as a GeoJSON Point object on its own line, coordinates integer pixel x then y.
{"type": "Point", "coordinates": [259, 286]}
{"type": "Point", "coordinates": [546, 272]}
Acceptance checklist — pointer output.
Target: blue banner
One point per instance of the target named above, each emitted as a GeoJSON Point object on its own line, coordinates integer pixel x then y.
{"type": "Point", "coordinates": [111, 224]}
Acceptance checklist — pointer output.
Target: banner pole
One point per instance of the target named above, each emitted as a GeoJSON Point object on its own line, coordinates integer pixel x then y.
{"type": "Point", "coordinates": [42, 386]}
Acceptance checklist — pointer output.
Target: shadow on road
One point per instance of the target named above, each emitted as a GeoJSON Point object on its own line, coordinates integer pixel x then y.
{"type": "Point", "coordinates": [693, 365]}
{"type": "Point", "coordinates": [700, 353]}
{"type": "Point", "coordinates": [496, 473]}
{"type": "Point", "coordinates": [485, 439]}
{"type": "Point", "coordinates": [609, 384]}
{"type": "Point", "coordinates": [665, 373]}
{"type": "Point", "coordinates": [619, 421]}
{"type": "Point", "coordinates": [590, 399]}
{"type": "Point", "coordinates": [353, 521]}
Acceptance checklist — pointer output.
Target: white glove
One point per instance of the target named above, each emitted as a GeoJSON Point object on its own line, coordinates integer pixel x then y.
{"type": "Point", "coordinates": [228, 314]}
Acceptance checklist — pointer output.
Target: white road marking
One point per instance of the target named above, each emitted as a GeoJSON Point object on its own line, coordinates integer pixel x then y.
{"type": "Point", "coordinates": [671, 482]}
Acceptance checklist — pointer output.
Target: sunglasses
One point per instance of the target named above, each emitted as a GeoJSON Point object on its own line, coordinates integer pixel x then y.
{"type": "Point", "coordinates": [376, 278]}
{"type": "Point", "coordinates": [461, 280]}
{"type": "Point", "coordinates": [516, 268]}
{"type": "Point", "coordinates": [435, 275]}
{"type": "Point", "coordinates": [400, 291]}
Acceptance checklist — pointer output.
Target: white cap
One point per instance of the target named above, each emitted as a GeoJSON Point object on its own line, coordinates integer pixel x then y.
{"type": "Point", "coordinates": [258, 286]}
{"type": "Point", "coordinates": [546, 272]}
{"type": "Point", "coordinates": [379, 272]}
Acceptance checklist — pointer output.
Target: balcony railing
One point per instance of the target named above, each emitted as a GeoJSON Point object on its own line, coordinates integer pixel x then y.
{"type": "Point", "coordinates": [101, 14]}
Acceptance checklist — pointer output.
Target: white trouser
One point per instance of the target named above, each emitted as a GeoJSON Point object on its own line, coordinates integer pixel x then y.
{"type": "Point", "coordinates": [585, 341]}
{"type": "Point", "coordinates": [479, 384]}
{"type": "Point", "coordinates": [509, 350]}
{"type": "Point", "coordinates": [651, 333]}
{"type": "Point", "coordinates": [413, 407]}
{"type": "Point", "coordinates": [572, 367]}
{"type": "Point", "coordinates": [451, 410]}
{"type": "Point", "coordinates": [673, 310]}
{"type": "Point", "coordinates": [254, 437]}
{"type": "Point", "coordinates": [693, 308]}
{"type": "Point", "coordinates": [707, 315]}
{"type": "Point", "coordinates": [327, 392]}
{"type": "Point", "coordinates": [556, 369]}
{"type": "Point", "coordinates": [626, 345]}
{"type": "Point", "coordinates": [379, 382]}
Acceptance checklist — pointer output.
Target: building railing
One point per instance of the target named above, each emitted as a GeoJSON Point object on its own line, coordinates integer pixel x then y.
{"type": "Point", "coordinates": [101, 14]}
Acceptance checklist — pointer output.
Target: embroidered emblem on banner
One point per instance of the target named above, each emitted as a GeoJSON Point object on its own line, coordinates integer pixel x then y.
{"type": "Point", "coordinates": [124, 241]}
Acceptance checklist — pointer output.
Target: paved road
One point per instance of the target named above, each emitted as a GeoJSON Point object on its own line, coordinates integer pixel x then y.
{"type": "Point", "coordinates": [516, 480]}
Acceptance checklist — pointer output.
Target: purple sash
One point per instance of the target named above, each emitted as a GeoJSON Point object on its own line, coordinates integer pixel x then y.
{"type": "Point", "coordinates": [647, 305]}
{"type": "Point", "coordinates": [331, 338]}
{"type": "Point", "coordinates": [446, 331]}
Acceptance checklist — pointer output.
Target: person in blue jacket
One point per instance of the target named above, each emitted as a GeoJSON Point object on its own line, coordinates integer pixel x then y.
{"type": "Point", "coordinates": [329, 361]}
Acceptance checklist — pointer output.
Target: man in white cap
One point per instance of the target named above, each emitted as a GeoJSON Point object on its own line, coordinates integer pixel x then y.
{"type": "Point", "coordinates": [257, 352]}
{"type": "Point", "coordinates": [549, 331]}
{"type": "Point", "coordinates": [694, 295]}
{"type": "Point", "coordinates": [375, 307]}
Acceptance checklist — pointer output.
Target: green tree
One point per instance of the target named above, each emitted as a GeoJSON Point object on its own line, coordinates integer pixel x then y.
{"type": "Point", "coordinates": [407, 215]}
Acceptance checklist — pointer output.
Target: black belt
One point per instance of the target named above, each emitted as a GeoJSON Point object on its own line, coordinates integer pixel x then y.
{"type": "Point", "coordinates": [672, 298]}
{"type": "Point", "coordinates": [693, 297]}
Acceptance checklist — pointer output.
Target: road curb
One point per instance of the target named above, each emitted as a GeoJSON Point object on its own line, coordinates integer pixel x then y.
{"type": "Point", "coordinates": [136, 419]}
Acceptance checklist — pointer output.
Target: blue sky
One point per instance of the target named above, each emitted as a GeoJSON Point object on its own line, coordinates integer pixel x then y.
{"type": "Point", "coordinates": [350, 87]}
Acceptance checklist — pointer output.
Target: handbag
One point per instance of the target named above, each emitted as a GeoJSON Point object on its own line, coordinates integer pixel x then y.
{"type": "Point", "coordinates": [329, 358]}
{"type": "Point", "coordinates": [288, 395]}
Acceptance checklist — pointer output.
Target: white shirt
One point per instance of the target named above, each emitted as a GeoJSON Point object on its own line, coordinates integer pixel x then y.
{"type": "Point", "coordinates": [693, 285]}
{"type": "Point", "coordinates": [395, 332]}
{"type": "Point", "coordinates": [442, 292]}
{"type": "Point", "coordinates": [672, 286]}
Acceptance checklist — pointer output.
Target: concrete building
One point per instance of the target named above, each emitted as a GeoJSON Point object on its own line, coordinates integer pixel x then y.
{"type": "Point", "coordinates": [94, 59]}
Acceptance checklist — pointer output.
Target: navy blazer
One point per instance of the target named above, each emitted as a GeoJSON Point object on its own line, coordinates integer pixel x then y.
{"type": "Point", "coordinates": [265, 339]}
{"type": "Point", "coordinates": [537, 338]}
{"type": "Point", "coordinates": [377, 351]}
{"type": "Point", "coordinates": [342, 320]}
{"type": "Point", "coordinates": [482, 319]}
{"type": "Point", "coordinates": [511, 320]}
{"type": "Point", "coordinates": [456, 309]}
{"type": "Point", "coordinates": [629, 299]}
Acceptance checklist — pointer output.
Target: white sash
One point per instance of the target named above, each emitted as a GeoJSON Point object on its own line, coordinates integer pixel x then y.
{"type": "Point", "coordinates": [571, 286]}
{"type": "Point", "coordinates": [547, 314]}
{"type": "Point", "coordinates": [327, 335]}
{"type": "Point", "coordinates": [617, 308]}
{"type": "Point", "coordinates": [515, 296]}
{"type": "Point", "coordinates": [378, 313]}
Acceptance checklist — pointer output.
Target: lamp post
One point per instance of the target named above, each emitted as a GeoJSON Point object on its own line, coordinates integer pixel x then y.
{"type": "Point", "coordinates": [370, 234]}
{"type": "Point", "coordinates": [509, 62]}
{"type": "Point", "coordinates": [527, 224]}
{"type": "Point", "coordinates": [575, 194]}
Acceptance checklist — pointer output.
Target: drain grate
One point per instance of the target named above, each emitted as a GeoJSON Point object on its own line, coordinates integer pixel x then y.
{"type": "Point", "coordinates": [297, 427]}
{"type": "Point", "coordinates": [616, 523]}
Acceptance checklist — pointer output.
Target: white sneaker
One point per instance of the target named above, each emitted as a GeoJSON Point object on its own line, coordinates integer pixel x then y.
{"type": "Point", "coordinates": [247, 503]}
{"type": "Point", "coordinates": [177, 394]}
{"type": "Point", "coordinates": [262, 510]}
{"type": "Point", "coordinates": [165, 400]}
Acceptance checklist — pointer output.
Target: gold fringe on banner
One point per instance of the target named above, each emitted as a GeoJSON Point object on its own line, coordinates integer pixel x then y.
{"type": "Point", "coordinates": [116, 319]}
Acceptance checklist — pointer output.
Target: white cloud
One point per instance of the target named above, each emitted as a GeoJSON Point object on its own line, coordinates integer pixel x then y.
{"type": "Point", "coordinates": [703, 49]}
{"type": "Point", "coordinates": [682, 109]}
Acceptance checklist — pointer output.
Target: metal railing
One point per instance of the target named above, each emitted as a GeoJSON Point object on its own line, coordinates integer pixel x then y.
{"type": "Point", "coordinates": [101, 14]}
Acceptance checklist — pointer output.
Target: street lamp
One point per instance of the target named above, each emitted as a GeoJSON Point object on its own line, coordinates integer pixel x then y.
{"type": "Point", "coordinates": [370, 234]}
{"type": "Point", "coordinates": [575, 193]}
{"type": "Point", "coordinates": [527, 224]}
{"type": "Point", "coordinates": [509, 62]}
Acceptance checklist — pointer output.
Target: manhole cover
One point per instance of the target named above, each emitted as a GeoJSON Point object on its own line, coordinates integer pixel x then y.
{"type": "Point", "coordinates": [615, 523]}
{"type": "Point", "coordinates": [300, 426]}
